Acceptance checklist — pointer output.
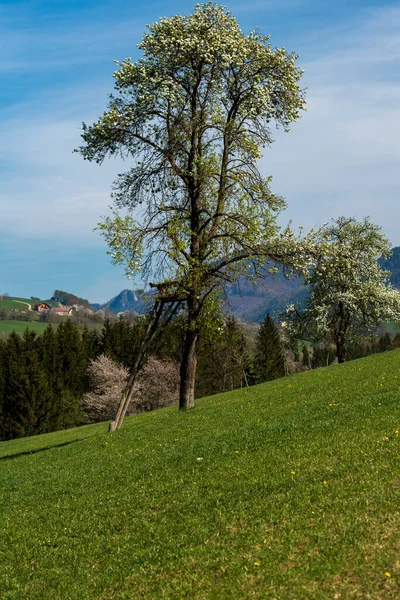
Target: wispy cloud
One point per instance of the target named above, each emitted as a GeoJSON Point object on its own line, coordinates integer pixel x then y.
{"type": "Point", "coordinates": [56, 192]}
{"type": "Point", "coordinates": [342, 157]}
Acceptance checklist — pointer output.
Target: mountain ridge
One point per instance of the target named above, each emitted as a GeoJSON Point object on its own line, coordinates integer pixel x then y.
{"type": "Point", "coordinates": [250, 302]}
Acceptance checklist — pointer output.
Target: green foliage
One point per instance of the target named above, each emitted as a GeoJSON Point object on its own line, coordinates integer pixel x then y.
{"type": "Point", "coordinates": [241, 498]}
{"type": "Point", "coordinates": [72, 360]}
{"type": "Point", "coordinates": [192, 115]}
{"type": "Point", "coordinates": [41, 381]}
{"type": "Point", "coordinates": [68, 299]}
{"type": "Point", "coordinates": [120, 340]}
{"type": "Point", "coordinates": [223, 360]}
{"type": "Point", "coordinates": [27, 395]}
{"type": "Point", "coordinates": [322, 355]}
{"type": "Point", "coordinates": [91, 343]}
{"type": "Point", "coordinates": [385, 343]}
{"type": "Point", "coordinates": [306, 357]}
{"type": "Point", "coordinates": [269, 355]}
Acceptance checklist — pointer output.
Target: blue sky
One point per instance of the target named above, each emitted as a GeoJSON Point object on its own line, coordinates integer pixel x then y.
{"type": "Point", "coordinates": [56, 65]}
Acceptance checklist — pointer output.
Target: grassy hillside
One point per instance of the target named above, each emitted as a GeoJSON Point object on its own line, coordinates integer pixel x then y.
{"type": "Point", "coordinates": [20, 326]}
{"type": "Point", "coordinates": [11, 303]}
{"type": "Point", "coordinates": [289, 490]}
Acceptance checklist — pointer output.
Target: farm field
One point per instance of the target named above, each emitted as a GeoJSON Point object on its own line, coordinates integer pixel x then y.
{"type": "Point", "coordinates": [15, 303]}
{"type": "Point", "coordinates": [20, 326]}
{"type": "Point", "coordinates": [288, 490]}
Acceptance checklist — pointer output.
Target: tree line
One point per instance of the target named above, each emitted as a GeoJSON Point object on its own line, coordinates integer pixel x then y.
{"type": "Point", "coordinates": [43, 378]}
{"type": "Point", "coordinates": [50, 381]}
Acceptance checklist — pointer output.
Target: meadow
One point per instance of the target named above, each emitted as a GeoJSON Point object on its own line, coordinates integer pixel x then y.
{"type": "Point", "coordinates": [20, 326]}
{"type": "Point", "coordinates": [288, 490]}
{"type": "Point", "coordinates": [12, 303]}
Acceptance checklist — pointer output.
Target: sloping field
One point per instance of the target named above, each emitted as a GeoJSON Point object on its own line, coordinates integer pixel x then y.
{"type": "Point", "coordinates": [15, 303]}
{"type": "Point", "coordinates": [289, 490]}
{"type": "Point", "coordinates": [20, 326]}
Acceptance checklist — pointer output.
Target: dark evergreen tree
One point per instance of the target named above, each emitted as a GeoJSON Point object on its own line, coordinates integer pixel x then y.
{"type": "Point", "coordinates": [170, 343]}
{"type": "Point", "coordinates": [63, 357]}
{"type": "Point", "coordinates": [396, 341]}
{"type": "Point", "coordinates": [2, 382]}
{"type": "Point", "coordinates": [91, 343]}
{"type": "Point", "coordinates": [223, 363]}
{"type": "Point", "coordinates": [15, 405]}
{"type": "Point", "coordinates": [322, 356]}
{"type": "Point", "coordinates": [384, 343]}
{"type": "Point", "coordinates": [41, 412]}
{"type": "Point", "coordinates": [72, 360]}
{"type": "Point", "coordinates": [269, 355]}
{"type": "Point", "coordinates": [41, 380]}
{"type": "Point", "coordinates": [356, 350]}
{"type": "Point", "coordinates": [49, 357]}
{"type": "Point", "coordinates": [318, 357]}
{"type": "Point", "coordinates": [120, 340]}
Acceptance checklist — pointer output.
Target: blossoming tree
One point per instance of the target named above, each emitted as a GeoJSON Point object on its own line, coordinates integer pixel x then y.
{"type": "Point", "coordinates": [350, 292]}
{"type": "Point", "coordinates": [192, 115]}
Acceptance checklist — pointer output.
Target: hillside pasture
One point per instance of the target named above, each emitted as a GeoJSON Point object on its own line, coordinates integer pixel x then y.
{"type": "Point", "coordinates": [289, 490]}
{"type": "Point", "coordinates": [12, 303]}
{"type": "Point", "coordinates": [20, 326]}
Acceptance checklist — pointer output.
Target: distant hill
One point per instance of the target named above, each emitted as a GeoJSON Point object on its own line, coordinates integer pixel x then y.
{"type": "Point", "coordinates": [251, 303]}
{"type": "Point", "coordinates": [270, 295]}
{"type": "Point", "coordinates": [68, 299]}
{"type": "Point", "coordinates": [127, 300]}
{"type": "Point", "coordinates": [392, 264]}
{"type": "Point", "coordinates": [244, 300]}
{"type": "Point", "coordinates": [247, 301]}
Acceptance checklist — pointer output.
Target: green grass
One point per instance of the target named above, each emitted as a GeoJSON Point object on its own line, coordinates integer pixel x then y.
{"type": "Point", "coordinates": [20, 326]}
{"type": "Point", "coordinates": [289, 490]}
{"type": "Point", "coordinates": [15, 303]}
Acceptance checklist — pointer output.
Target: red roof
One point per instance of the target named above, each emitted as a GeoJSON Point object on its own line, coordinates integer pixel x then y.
{"type": "Point", "coordinates": [62, 309]}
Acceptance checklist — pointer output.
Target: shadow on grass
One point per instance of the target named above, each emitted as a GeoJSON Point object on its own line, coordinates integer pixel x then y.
{"type": "Point", "coordinates": [27, 452]}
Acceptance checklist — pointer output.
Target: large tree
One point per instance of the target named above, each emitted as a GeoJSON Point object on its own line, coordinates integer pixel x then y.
{"type": "Point", "coordinates": [192, 115]}
{"type": "Point", "coordinates": [350, 292]}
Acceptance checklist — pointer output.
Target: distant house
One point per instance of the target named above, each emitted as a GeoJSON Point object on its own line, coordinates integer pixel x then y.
{"type": "Point", "coordinates": [62, 310]}
{"type": "Point", "coordinates": [42, 307]}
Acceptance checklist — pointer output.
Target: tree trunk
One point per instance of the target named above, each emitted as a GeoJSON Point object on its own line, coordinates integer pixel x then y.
{"type": "Point", "coordinates": [341, 333]}
{"type": "Point", "coordinates": [341, 351]}
{"type": "Point", "coordinates": [188, 370]}
{"type": "Point", "coordinates": [152, 331]}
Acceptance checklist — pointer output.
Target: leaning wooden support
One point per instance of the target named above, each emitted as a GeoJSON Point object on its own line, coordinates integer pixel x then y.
{"type": "Point", "coordinates": [154, 329]}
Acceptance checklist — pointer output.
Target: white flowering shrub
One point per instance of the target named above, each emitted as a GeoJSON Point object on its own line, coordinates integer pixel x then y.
{"type": "Point", "coordinates": [156, 386]}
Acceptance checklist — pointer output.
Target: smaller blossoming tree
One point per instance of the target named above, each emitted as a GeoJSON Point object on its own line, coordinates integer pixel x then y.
{"type": "Point", "coordinates": [350, 292]}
